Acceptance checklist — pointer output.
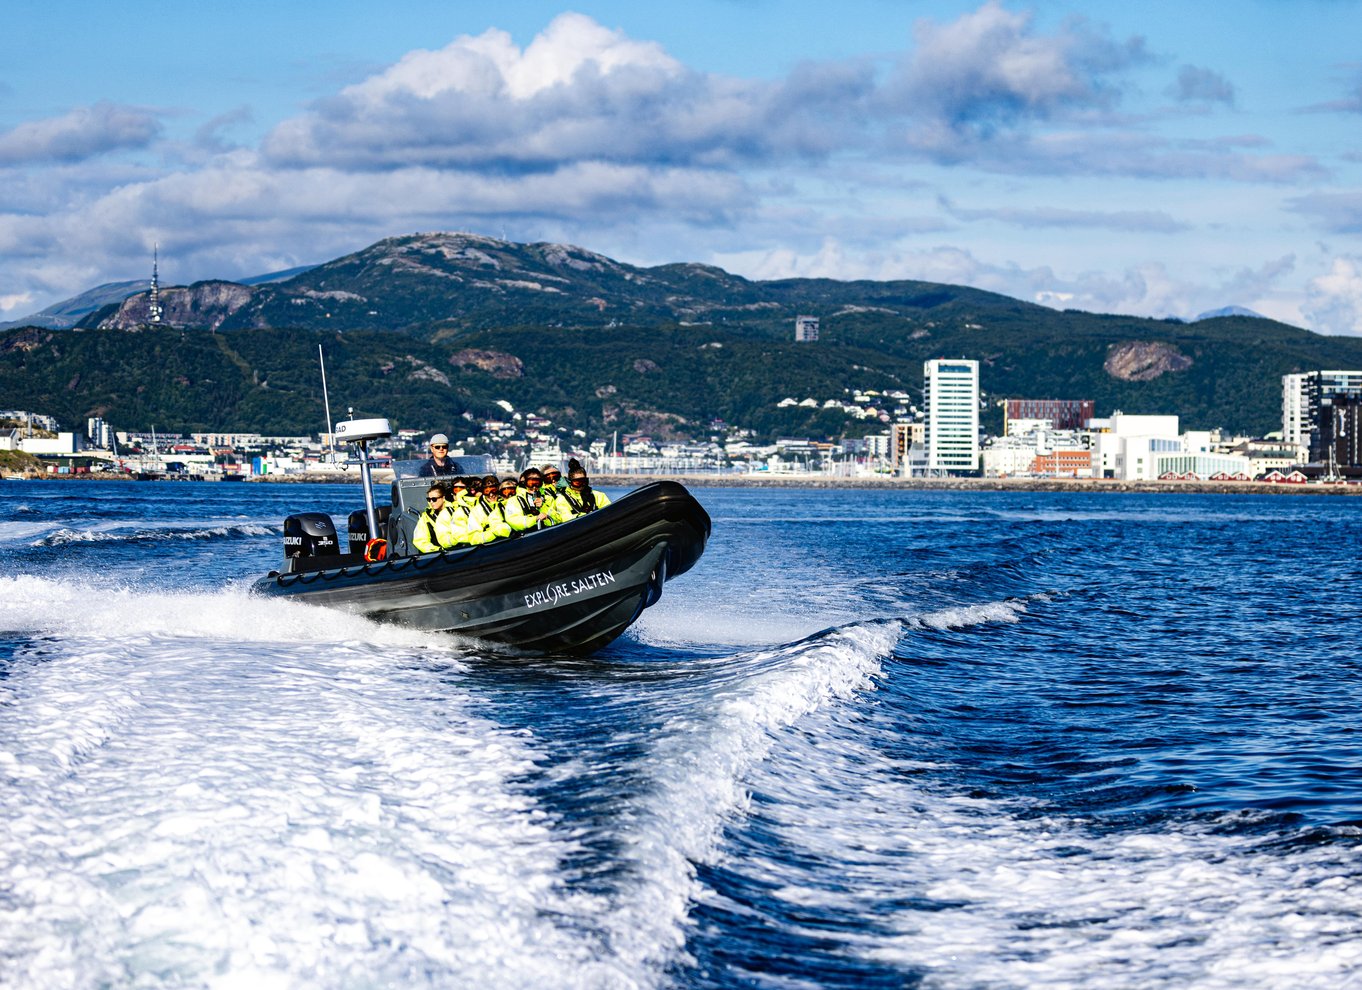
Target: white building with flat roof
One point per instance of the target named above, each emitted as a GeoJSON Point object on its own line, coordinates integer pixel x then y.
{"type": "Point", "coordinates": [951, 391]}
{"type": "Point", "coordinates": [1128, 447]}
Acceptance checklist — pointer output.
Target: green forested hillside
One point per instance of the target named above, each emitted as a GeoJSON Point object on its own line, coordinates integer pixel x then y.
{"type": "Point", "coordinates": [425, 328]}
{"type": "Point", "coordinates": [667, 380]}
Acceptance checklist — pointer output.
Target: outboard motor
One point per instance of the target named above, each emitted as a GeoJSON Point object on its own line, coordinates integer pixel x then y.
{"type": "Point", "coordinates": [310, 534]}
{"type": "Point", "coordinates": [359, 527]}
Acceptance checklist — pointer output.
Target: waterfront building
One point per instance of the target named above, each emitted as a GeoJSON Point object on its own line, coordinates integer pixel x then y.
{"type": "Point", "coordinates": [1063, 464]}
{"type": "Point", "coordinates": [806, 329]}
{"type": "Point", "coordinates": [904, 438]}
{"type": "Point", "coordinates": [1038, 452]}
{"type": "Point", "coordinates": [1061, 414]}
{"type": "Point", "coordinates": [1127, 447]}
{"type": "Point", "coordinates": [1008, 457]}
{"type": "Point", "coordinates": [1337, 441]}
{"type": "Point", "coordinates": [99, 433]}
{"type": "Point", "coordinates": [62, 443]}
{"type": "Point", "coordinates": [951, 391]}
{"type": "Point", "coordinates": [1204, 466]}
{"type": "Point", "coordinates": [1302, 395]}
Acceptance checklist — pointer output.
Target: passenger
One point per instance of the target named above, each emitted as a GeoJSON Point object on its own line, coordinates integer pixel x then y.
{"type": "Point", "coordinates": [486, 516]}
{"type": "Point", "coordinates": [464, 492]}
{"type": "Point", "coordinates": [527, 509]}
{"type": "Point", "coordinates": [437, 528]}
{"type": "Point", "coordinates": [458, 504]}
{"type": "Point", "coordinates": [439, 462]}
{"type": "Point", "coordinates": [579, 498]}
{"type": "Point", "coordinates": [554, 485]}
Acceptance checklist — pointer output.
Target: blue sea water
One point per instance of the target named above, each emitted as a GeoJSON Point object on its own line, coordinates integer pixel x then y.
{"type": "Point", "coordinates": [874, 739]}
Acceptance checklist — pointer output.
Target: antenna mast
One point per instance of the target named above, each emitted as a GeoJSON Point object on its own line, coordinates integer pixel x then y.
{"type": "Point", "coordinates": [154, 307]}
{"type": "Point", "coordinates": [326, 401]}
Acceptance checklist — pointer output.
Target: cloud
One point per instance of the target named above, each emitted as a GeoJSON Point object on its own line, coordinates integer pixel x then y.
{"type": "Point", "coordinates": [988, 73]}
{"type": "Point", "coordinates": [589, 135]}
{"type": "Point", "coordinates": [83, 133]}
{"type": "Point", "coordinates": [986, 89]}
{"type": "Point", "coordinates": [1198, 85]}
{"type": "Point", "coordinates": [577, 92]}
{"type": "Point", "coordinates": [1336, 212]}
{"type": "Point", "coordinates": [1152, 221]}
{"type": "Point", "coordinates": [209, 136]}
{"type": "Point", "coordinates": [1334, 300]}
{"type": "Point", "coordinates": [1148, 289]}
{"type": "Point", "coordinates": [1349, 102]}
{"type": "Point", "coordinates": [14, 301]}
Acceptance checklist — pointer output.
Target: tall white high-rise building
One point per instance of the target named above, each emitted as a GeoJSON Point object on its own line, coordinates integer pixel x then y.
{"type": "Point", "coordinates": [951, 391]}
{"type": "Point", "coordinates": [1301, 395]}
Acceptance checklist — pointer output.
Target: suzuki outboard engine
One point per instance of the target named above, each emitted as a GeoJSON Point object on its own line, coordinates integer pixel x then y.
{"type": "Point", "coordinates": [359, 527]}
{"type": "Point", "coordinates": [310, 534]}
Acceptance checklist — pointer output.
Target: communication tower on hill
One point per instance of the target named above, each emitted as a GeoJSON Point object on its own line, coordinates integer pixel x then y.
{"type": "Point", "coordinates": [154, 306]}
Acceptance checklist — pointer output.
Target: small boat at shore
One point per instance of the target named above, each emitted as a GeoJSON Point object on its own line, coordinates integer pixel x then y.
{"type": "Point", "coordinates": [570, 588]}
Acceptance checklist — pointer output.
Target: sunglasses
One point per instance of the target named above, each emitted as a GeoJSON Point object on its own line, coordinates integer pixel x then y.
{"type": "Point", "coordinates": [435, 498]}
{"type": "Point", "coordinates": [577, 482]}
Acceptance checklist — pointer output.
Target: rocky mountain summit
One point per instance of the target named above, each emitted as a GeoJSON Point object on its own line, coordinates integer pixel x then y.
{"type": "Point", "coordinates": [448, 282]}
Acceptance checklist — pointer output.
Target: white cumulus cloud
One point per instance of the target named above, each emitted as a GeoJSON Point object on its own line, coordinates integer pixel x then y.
{"type": "Point", "coordinates": [1334, 300]}
{"type": "Point", "coordinates": [82, 133]}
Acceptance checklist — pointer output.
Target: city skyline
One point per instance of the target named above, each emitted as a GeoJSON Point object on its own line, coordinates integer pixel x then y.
{"type": "Point", "coordinates": [1142, 159]}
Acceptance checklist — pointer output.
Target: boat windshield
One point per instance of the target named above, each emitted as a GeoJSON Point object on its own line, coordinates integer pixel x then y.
{"type": "Point", "coordinates": [468, 464]}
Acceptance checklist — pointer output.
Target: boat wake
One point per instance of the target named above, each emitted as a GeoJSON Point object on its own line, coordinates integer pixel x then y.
{"type": "Point", "coordinates": [210, 783]}
{"type": "Point", "coordinates": [122, 532]}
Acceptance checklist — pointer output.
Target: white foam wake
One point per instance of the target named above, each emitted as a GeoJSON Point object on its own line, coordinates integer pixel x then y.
{"type": "Point", "coordinates": [214, 790]}
{"type": "Point", "coordinates": [702, 762]}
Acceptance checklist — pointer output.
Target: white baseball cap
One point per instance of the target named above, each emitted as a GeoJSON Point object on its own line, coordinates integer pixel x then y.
{"type": "Point", "coordinates": [439, 438]}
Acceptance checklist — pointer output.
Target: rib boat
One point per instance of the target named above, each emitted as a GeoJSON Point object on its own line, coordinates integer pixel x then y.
{"type": "Point", "coordinates": [570, 588]}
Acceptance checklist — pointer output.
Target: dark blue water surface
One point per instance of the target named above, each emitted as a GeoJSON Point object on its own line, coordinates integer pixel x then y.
{"type": "Point", "coordinates": [874, 739]}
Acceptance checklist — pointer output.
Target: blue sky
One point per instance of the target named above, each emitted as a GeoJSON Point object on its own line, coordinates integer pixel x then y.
{"type": "Point", "coordinates": [1151, 158]}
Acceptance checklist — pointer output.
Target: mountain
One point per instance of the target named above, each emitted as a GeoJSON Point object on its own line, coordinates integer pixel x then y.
{"type": "Point", "coordinates": [449, 283]}
{"type": "Point", "coordinates": [71, 311]}
{"type": "Point", "coordinates": [427, 328]}
{"type": "Point", "coordinates": [1212, 314]}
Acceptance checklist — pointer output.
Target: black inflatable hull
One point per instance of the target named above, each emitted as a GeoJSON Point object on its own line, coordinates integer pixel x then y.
{"type": "Point", "coordinates": [569, 589]}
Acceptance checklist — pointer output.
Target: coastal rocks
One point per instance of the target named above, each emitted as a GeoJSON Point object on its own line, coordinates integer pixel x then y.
{"type": "Point", "coordinates": [1144, 360]}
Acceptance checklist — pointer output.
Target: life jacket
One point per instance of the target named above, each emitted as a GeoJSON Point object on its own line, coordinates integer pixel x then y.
{"type": "Point", "coordinates": [581, 502]}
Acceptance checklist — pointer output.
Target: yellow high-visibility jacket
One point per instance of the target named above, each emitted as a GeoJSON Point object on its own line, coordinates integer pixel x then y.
{"type": "Point", "coordinates": [437, 531]}
{"type": "Point", "coordinates": [572, 503]}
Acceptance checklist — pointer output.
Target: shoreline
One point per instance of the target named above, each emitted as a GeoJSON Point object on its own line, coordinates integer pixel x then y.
{"type": "Point", "coordinates": [825, 482]}
{"type": "Point", "coordinates": [988, 484]}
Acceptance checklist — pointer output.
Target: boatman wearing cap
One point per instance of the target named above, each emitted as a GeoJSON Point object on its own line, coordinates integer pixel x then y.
{"type": "Point", "coordinates": [439, 462]}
